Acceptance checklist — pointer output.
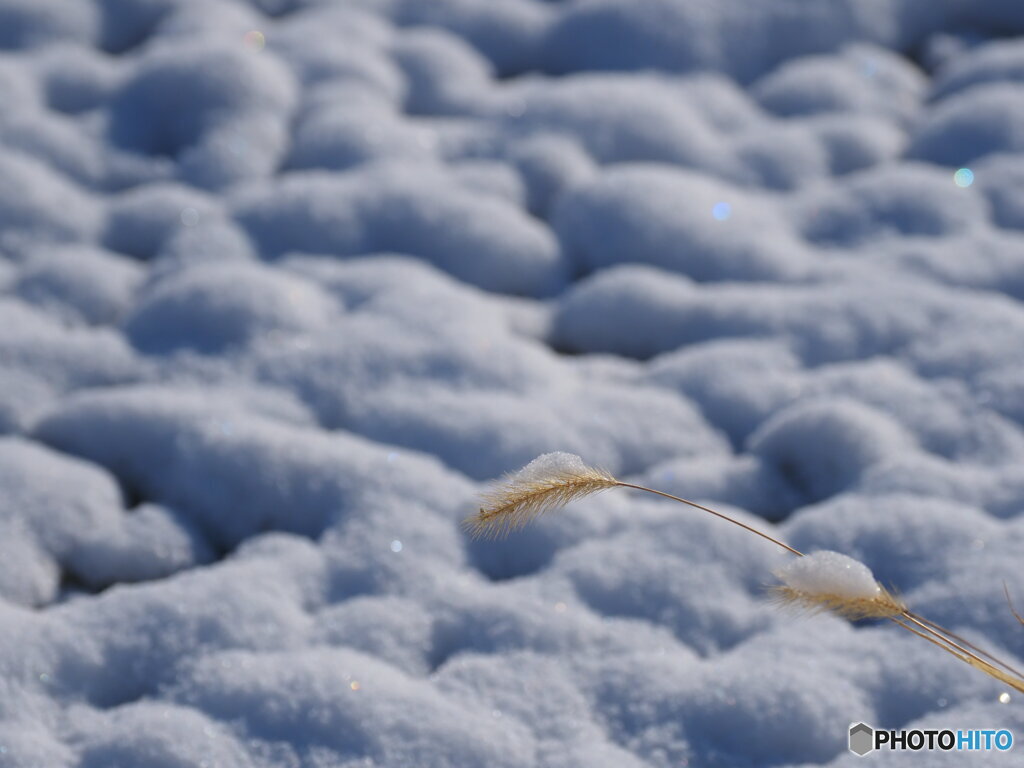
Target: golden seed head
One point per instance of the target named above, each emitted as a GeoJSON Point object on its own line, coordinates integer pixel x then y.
{"type": "Point", "coordinates": [547, 483]}
{"type": "Point", "coordinates": [881, 606]}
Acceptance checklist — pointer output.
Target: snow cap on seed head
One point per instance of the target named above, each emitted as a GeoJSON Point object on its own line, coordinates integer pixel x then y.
{"type": "Point", "coordinates": [548, 482]}
{"type": "Point", "coordinates": [831, 581]}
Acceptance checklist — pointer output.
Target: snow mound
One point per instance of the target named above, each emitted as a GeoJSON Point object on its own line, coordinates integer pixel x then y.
{"type": "Point", "coordinates": [26, 24]}
{"type": "Point", "coordinates": [75, 79]}
{"type": "Point", "coordinates": [335, 140]}
{"type": "Point", "coordinates": [865, 80]}
{"type": "Point", "coordinates": [509, 33]}
{"type": "Point", "coordinates": [678, 221]}
{"type": "Point", "coordinates": [65, 358]}
{"type": "Point", "coordinates": [140, 221]}
{"type": "Point", "coordinates": [911, 201]}
{"type": "Point", "coordinates": [970, 125]}
{"type": "Point", "coordinates": [52, 505]}
{"type": "Point", "coordinates": [220, 129]}
{"type": "Point", "coordinates": [824, 447]}
{"type": "Point", "coordinates": [40, 205]}
{"type": "Point", "coordinates": [79, 284]}
{"type": "Point", "coordinates": [678, 37]}
{"type": "Point", "coordinates": [618, 120]}
{"type": "Point", "coordinates": [478, 239]}
{"type": "Point", "coordinates": [470, 432]}
{"type": "Point", "coordinates": [275, 474]}
{"type": "Point", "coordinates": [443, 74]}
{"type": "Point", "coordinates": [57, 142]}
{"type": "Point", "coordinates": [905, 539]}
{"type": "Point", "coordinates": [211, 308]}
{"type": "Point", "coordinates": [166, 734]}
{"type": "Point", "coordinates": [991, 62]}
{"type": "Point", "coordinates": [349, 704]}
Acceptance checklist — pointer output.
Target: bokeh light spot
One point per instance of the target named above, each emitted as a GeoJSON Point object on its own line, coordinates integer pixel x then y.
{"type": "Point", "coordinates": [963, 177]}
{"type": "Point", "coordinates": [255, 40]}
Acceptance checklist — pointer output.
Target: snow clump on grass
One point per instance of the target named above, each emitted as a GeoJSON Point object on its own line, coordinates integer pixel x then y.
{"type": "Point", "coordinates": [830, 573]}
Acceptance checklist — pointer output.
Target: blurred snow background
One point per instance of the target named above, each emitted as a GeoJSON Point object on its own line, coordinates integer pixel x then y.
{"type": "Point", "coordinates": [285, 282]}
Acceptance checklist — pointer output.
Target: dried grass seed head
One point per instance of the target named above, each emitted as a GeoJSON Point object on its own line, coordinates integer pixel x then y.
{"type": "Point", "coordinates": [834, 582]}
{"type": "Point", "coordinates": [549, 482]}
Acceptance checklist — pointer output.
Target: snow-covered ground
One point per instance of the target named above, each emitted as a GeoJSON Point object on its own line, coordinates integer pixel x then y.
{"type": "Point", "coordinates": [286, 283]}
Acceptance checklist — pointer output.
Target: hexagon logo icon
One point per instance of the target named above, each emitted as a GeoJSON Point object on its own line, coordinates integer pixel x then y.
{"type": "Point", "coordinates": [862, 739]}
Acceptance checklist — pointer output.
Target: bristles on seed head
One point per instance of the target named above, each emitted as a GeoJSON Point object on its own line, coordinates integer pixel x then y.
{"type": "Point", "coordinates": [882, 605]}
{"type": "Point", "coordinates": [547, 483]}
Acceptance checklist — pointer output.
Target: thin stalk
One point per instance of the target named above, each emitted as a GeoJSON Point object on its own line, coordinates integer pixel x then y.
{"type": "Point", "coordinates": [944, 636]}
{"type": "Point", "coordinates": [898, 620]}
{"type": "Point", "coordinates": [1009, 602]}
{"type": "Point", "coordinates": [945, 639]}
{"type": "Point", "coordinates": [968, 644]}
{"type": "Point", "coordinates": [936, 637]}
{"type": "Point", "coordinates": [710, 511]}
{"type": "Point", "coordinates": [524, 497]}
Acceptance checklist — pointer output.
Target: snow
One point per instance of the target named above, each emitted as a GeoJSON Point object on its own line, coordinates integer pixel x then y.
{"type": "Point", "coordinates": [548, 466]}
{"type": "Point", "coordinates": [872, 204]}
{"type": "Point", "coordinates": [286, 284]}
{"type": "Point", "coordinates": [849, 439]}
{"type": "Point", "coordinates": [140, 221]}
{"type": "Point", "coordinates": [75, 79]}
{"type": "Point", "coordinates": [27, 24]}
{"type": "Point", "coordinates": [79, 284]}
{"type": "Point", "coordinates": [421, 211]}
{"type": "Point", "coordinates": [865, 79]}
{"type": "Point", "coordinates": [679, 221]}
{"type": "Point", "coordinates": [38, 204]}
{"type": "Point", "coordinates": [220, 113]}
{"type": "Point", "coordinates": [830, 573]}
{"type": "Point", "coordinates": [989, 62]}
{"type": "Point", "coordinates": [441, 73]}
{"type": "Point", "coordinates": [970, 125]}
{"type": "Point", "coordinates": [241, 301]}
{"type": "Point", "coordinates": [165, 734]}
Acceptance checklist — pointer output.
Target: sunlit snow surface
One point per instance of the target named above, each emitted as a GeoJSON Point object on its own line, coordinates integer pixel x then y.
{"type": "Point", "coordinates": [287, 282]}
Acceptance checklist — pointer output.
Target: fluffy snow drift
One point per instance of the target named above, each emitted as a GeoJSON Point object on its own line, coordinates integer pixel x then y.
{"type": "Point", "coordinates": [286, 284]}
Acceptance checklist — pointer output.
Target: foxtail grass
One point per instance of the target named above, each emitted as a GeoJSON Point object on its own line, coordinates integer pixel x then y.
{"type": "Point", "coordinates": [884, 605]}
{"type": "Point", "coordinates": [516, 502]}
{"type": "Point", "coordinates": [513, 503]}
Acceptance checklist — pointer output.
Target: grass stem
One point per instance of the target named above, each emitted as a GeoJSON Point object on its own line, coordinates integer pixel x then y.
{"type": "Point", "coordinates": [524, 497]}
